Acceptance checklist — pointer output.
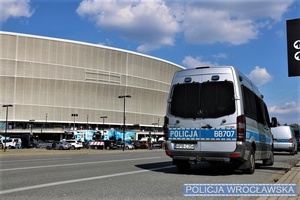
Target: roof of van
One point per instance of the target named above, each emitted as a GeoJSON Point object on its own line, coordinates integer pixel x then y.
{"type": "Point", "coordinates": [254, 88]}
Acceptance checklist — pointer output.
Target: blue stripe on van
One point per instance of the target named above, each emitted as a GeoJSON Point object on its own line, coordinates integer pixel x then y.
{"type": "Point", "coordinates": [201, 134]}
{"type": "Point", "coordinates": [283, 140]}
{"type": "Point", "coordinates": [258, 137]}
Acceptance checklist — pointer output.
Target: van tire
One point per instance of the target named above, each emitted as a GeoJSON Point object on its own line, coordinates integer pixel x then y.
{"type": "Point", "coordinates": [251, 168]}
{"type": "Point", "coordinates": [270, 161]}
{"type": "Point", "coordinates": [183, 165]}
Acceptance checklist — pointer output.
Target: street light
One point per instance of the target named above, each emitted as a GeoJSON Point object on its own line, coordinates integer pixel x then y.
{"type": "Point", "coordinates": [103, 117]}
{"type": "Point", "coordinates": [155, 129]}
{"type": "Point", "coordinates": [6, 106]}
{"type": "Point", "coordinates": [87, 122]}
{"type": "Point", "coordinates": [74, 115]}
{"type": "Point", "coordinates": [150, 136]}
{"type": "Point", "coordinates": [124, 118]}
{"type": "Point", "coordinates": [46, 120]}
{"type": "Point", "coordinates": [31, 124]}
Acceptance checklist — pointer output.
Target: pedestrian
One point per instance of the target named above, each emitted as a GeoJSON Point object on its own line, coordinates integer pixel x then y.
{"type": "Point", "coordinates": [149, 143]}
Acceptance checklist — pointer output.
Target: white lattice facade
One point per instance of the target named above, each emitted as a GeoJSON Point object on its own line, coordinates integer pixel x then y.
{"type": "Point", "coordinates": [40, 75]}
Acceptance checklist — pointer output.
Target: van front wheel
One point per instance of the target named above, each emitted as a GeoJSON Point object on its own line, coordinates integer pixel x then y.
{"type": "Point", "coordinates": [251, 168]}
{"type": "Point", "coordinates": [270, 161]}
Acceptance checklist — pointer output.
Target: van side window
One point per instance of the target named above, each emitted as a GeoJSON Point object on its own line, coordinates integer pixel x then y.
{"type": "Point", "coordinates": [205, 100]}
{"type": "Point", "coordinates": [249, 103]}
{"type": "Point", "coordinates": [254, 107]}
{"type": "Point", "coordinates": [266, 116]}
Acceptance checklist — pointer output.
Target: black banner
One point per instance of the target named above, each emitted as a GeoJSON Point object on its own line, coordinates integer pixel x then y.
{"type": "Point", "coordinates": [293, 46]}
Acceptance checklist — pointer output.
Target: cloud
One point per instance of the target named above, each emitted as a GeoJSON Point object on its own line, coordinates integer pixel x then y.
{"type": "Point", "coordinates": [191, 62]}
{"type": "Point", "coordinates": [148, 22]}
{"type": "Point", "coordinates": [287, 108]}
{"type": "Point", "coordinates": [204, 26]}
{"type": "Point", "coordinates": [287, 113]}
{"type": "Point", "coordinates": [260, 76]}
{"type": "Point", "coordinates": [154, 24]}
{"type": "Point", "coordinates": [15, 8]}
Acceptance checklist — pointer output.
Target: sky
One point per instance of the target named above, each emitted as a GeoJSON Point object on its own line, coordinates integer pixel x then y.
{"type": "Point", "coordinates": [247, 34]}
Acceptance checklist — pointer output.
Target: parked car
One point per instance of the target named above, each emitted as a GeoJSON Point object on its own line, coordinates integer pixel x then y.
{"type": "Point", "coordinates": [62, 145]}
{"type": "Point", "coordinates": [119, 144]}
{"type": "Point", "coordinates": [75, 144]}
{"type": "Point", "coordinates": [11, 143]}
{"type": "Point", "coordinates": [109, 144]}
{"type": "Point", "coordinates": [128, 146]}
{"type": "Point", "coordinates": [284, 139]}
{"type": "Point", "coordinates": [136, 144]}
{"type": "Point", "coordinates": [47, 144]}
{"type": "Point", "coordinates": [144, 144]}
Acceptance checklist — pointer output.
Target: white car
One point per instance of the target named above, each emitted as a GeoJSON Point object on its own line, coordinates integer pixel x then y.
{"type": "Point", "coordinates": [284, 139]}
{"type": "Point", "coordinates": [11, 143]}
{"type": "Point", "coordinates": [128, 146]}
{"type": "Point", "coordinates": [75, 144]}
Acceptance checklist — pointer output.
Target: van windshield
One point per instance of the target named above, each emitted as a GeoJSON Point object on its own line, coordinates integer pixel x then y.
{"type": "Point", "coordinates": [203, 100]}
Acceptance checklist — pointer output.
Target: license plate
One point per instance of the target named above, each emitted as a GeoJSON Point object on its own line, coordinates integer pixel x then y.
{"type": "Point", "coordinates": [185, 146]}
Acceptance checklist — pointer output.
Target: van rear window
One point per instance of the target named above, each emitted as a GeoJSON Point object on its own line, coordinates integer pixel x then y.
{"type": "Point", "coordinates": [203, 100]}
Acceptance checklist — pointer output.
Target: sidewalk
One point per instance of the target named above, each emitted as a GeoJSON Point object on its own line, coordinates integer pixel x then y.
{"type": "Point", "coordinates": [291, 177]}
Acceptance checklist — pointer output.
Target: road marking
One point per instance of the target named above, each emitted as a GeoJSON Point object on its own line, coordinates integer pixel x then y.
{"type": "Point", "coordinates": [57, 158]}
{"type": "Point", "coordinates": [80, 180]}
{"type": "Point", "coordinates": [74, 164]}
{"type": "Point", "coordinates": [33, 160]}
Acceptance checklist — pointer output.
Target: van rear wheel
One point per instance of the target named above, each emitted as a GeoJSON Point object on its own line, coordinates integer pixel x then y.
{"type": "Point", "coordinates": [183, 165]}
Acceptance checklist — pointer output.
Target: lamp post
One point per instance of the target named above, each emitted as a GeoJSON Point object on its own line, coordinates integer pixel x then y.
{"type": "Point", "coordinates": [150, 145]}
{"type": "Point", "coordinates": [74, 115]}
{"type": "Point", "coordinates": [103, 118]}
{"type": "Point", "coordinates": [155, 129]}
{"type": "Point", "coordinates": [6, 106]}
{"type": "Point", "coordinates": [46, 120]}
{"type": "Point", "coordinates": [87, 122]}
{"type": "Point", "coordinates": [124, 118]}
{"type": "Point", "coordinates": [31, 124]}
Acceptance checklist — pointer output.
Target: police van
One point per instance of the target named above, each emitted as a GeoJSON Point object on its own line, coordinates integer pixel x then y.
{"type": "Point", "coordinates": [217, 115]}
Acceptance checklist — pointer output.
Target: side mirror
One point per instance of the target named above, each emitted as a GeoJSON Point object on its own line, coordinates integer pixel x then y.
{"type": "Point", "coordinates": [274, 122]}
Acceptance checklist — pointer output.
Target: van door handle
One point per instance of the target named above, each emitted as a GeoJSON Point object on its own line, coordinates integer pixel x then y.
{"type": "Point", "coordinates": [207, 126]}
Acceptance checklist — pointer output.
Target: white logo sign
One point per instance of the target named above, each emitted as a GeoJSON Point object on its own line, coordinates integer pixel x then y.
{"type": "Point", "coordinates": [297, 56]}
{"type": "Point", "coordinates": [297, 44]}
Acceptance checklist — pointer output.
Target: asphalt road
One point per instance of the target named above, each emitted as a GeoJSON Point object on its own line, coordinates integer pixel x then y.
{"type": "Point", "coordinates": [98, 174]}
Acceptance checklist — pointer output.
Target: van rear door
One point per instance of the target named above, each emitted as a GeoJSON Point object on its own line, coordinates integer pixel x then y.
{"type": "Point", "coordinates": [204, 109]}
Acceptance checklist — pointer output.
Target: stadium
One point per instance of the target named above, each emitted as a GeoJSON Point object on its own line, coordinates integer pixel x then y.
{"type": "Point", "coordinates": [51, 85]}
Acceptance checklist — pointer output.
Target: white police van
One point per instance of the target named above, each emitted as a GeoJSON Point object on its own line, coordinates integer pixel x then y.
{"type": "Point", "coordinates": [217, 115]}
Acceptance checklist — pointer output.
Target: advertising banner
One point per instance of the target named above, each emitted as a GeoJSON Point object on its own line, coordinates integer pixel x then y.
{"type": "Point", "coordinates": [293, 46]}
